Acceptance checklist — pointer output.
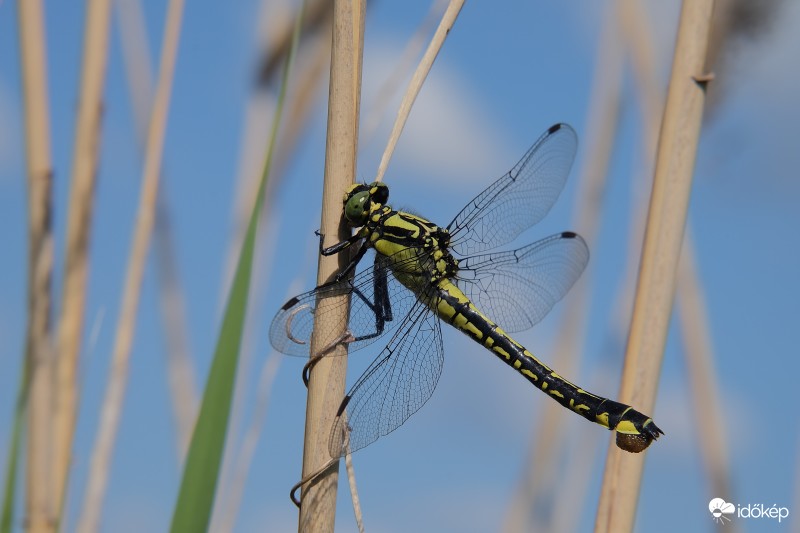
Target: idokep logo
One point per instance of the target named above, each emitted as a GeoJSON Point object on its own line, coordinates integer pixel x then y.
{"type": "Point", "coordinates": [722, 511]}
{"type": "Point", "coordinates": [719, 508]}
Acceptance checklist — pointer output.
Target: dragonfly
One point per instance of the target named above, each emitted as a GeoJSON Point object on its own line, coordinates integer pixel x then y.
{"type": "Point", "coordinates": [424, 274]}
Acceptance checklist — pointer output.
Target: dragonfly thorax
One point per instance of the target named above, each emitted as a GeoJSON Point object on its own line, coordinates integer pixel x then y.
{"type": "Point", "coordinates": [416, 247]}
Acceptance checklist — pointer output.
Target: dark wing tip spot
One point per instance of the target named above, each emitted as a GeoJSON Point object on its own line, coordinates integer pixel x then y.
{"type": "Point", "coordinates": [343, 405]}
{"type": "Point", "coordinates": [290, 303]}
{"type": "Point", "coordinates": [568, 234]}
{"type": "Point", "coordinates": [554, 128]}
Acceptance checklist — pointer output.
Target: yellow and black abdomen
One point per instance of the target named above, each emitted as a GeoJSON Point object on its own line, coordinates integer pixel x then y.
{"type": "Point", "coordinates": [635, 431]}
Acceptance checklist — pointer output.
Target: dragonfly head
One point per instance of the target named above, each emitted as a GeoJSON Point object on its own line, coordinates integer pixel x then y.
{"type": "Point", "coordinates": [361, 199]}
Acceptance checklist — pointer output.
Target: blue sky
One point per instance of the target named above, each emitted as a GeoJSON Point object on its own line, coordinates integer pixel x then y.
{"type": "Point", "coordinates": [507, 72]}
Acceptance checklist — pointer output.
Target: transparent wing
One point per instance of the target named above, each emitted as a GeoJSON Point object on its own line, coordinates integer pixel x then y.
{"type": "Point", "coordinates": [395, 385]}
{"type": "Point", "coordinates": [519, 287]}
{"type": "Point", "coordinates": [519, 199]}
{"type": "Point", "coordinates": [376, 302]}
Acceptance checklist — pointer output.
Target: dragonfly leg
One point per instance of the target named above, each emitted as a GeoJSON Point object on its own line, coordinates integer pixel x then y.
{"type": "Point", "coordinates": [308, 480]}
{"type": "Point", "coordinates": [381, 286]}
{"type": "Point", "coordinates": [381, 306]}
{"type": "Point", "coordinates": [351, 266]}
{"type": "Point", "coordinates": [339, 246]}
{"type": "Point", "coordinates": [311, 478]}
{"type": "Point", "coordinates": [345, 338]}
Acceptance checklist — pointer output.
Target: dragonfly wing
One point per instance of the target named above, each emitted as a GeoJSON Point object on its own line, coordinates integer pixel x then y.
{"type": "Point", "coordinates": [519, 199]}
{"type": "Point", "coordinates": [519, 287]}
{"type": "Point", "coordinates": [365, 298]}
{"type": "Point", "coordinates": [395, 385]}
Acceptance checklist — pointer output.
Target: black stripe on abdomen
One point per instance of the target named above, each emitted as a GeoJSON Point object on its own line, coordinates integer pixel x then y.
{"type": "Point", "coordinates": [635, 431]}
{"type": "Point", "coordinates": [468, 319]}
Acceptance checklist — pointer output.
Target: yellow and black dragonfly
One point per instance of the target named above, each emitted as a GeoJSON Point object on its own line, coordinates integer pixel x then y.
{"type": "Point", "coordinates": [424, 274]}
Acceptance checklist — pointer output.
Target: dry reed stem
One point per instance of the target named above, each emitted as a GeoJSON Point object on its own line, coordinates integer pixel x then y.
{"type": "Point", "coordinates": [672, 180]}
{"type": "Point", "coordinates": [304, 93]}
{"type": "Point", "coordinates": [541, 477]}
{"type": "Point", "coordinates": [39, 508]}
{"type": "Point", "coordinates": [112, 404]}
{"type": "Point", "coordinates": [702, 374]}
{"type": "Point", "coordinates": [384, 94]}
{"type": "Point", "coordinates": [136, 60]}
{"type": "Point", "coordinates": [316, 16]}
{"type": "Point", "coordinates": [236, 463]}
{"type": "Point", "coordinates": [254, 137]}
{"type": "Point", "coordinates": [351, 480]}
{"type": "Point", "coordinates": [300, 105]}
{"type": "Point", "coordinates": [691, 306]}
{"type": "Point", "coordinates": [414, 86]}
{"type": "Point", "coordinates": [79, 222]}
{"type": "Point", "coordinates": [637, 31]}
{"type": "Point", "coordinates": [256, 130]}
{"type": "Point", "coordinates": [180, 369]}
{"type": "Point", "coordinates": [327, 380]}
{"type": "Point", "coordinates": [574, 483]}
{"type": "Point", "coordinates": [260, 223]}
{"type": "Point", "coordinates": [256, 133]}
{"type": "Point", "coordinates": [421, 73]}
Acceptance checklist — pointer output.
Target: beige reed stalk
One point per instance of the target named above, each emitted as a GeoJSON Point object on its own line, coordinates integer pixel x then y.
{"type": "Point", "coordinates": [304, 91]}
{"type": "Point", "coordinates": [172, 303]}
{"type": "Point", "coordinates": [327, 494]}
{"type": "Point", "coordinates": [255, 130]}
{"type": "Point", "coordinates": [327, 379]}
{"type": "Point", "coordinates": [672, 181]}
{"type": "Point", "coordinates": [692, 311]}
{"type": "Point", "coordinates": [637, 33]}
{"type": "Point", "coordinates": [316, 17]}
{"type": "Point", "coordinates": [572, 489]}
{"type": "Point", "coordinates": [351, 479]}
{"type": "Point", "coordinates": [180, 369]}
{"type": "Point", "coordinates": [301, 93]}
{"type": "Point", "coordinates": [414, 86]}
{"type": "Point", "coordinates": [115, 392]}
{"type": "Point", "coordinates": [706, 398]}
{"type": "Point", "coordinates": [387, 90]}
{"type": "Point", "coordinates": [301, 88]}
{"type": "Point", "coordinates": [541, 479]}
{"type": "Point", "coordinates": [39, 508]}
{"type": "Point", "coordinates": [79, 221]}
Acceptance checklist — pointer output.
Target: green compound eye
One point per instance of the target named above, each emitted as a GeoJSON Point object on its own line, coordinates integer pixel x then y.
{"type": "Point", "coordinates": [356, 208]}
{"type": "Point", "coordinates": [360, 199]}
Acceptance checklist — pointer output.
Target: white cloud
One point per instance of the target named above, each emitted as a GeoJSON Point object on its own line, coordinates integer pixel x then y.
{"type": "Point", "coordinates": [449, 134]}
